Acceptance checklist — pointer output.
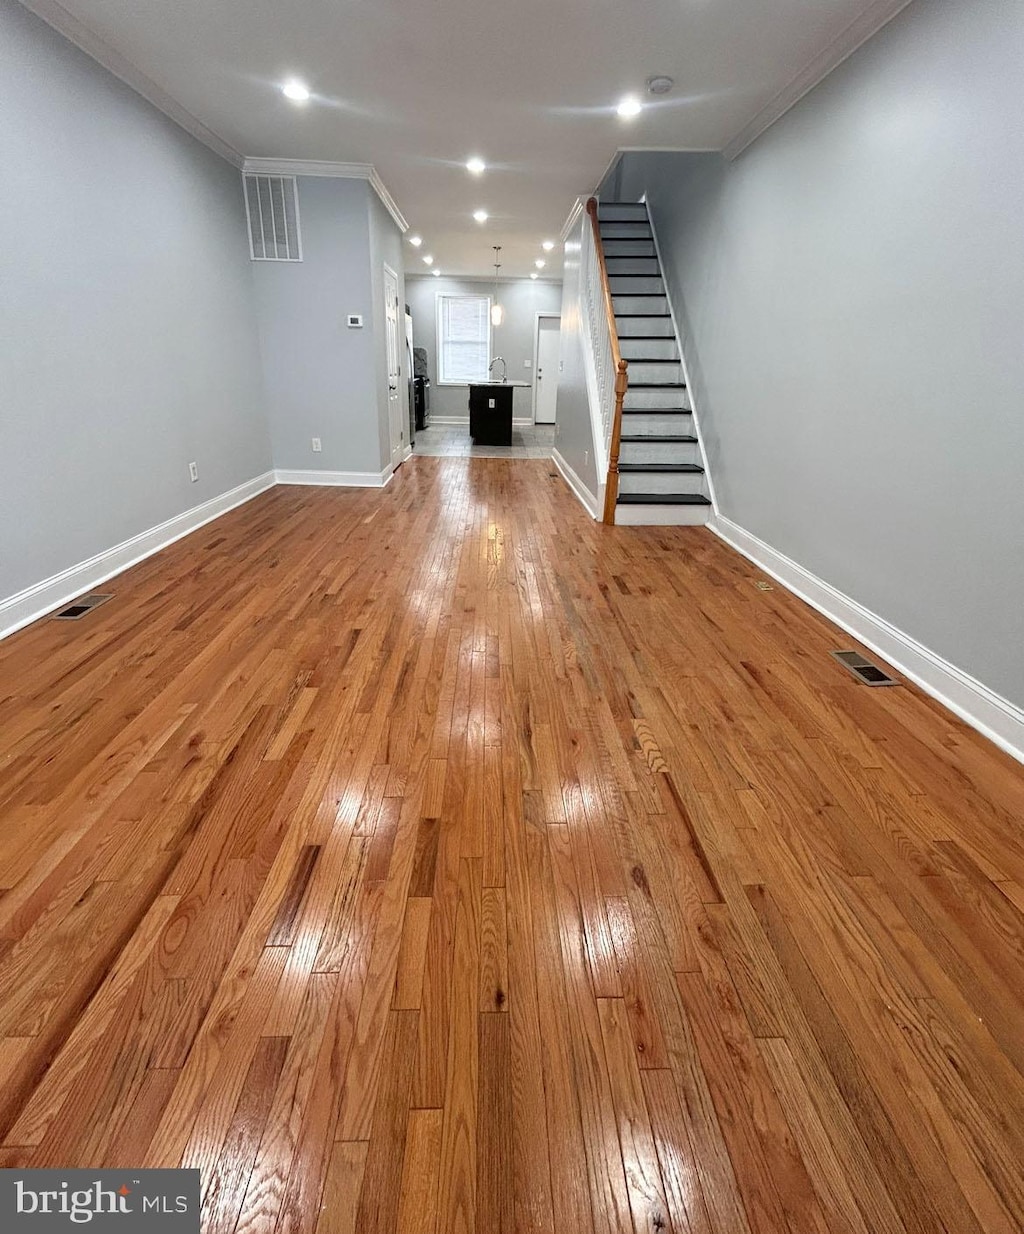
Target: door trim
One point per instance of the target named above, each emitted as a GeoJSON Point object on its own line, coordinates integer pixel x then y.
{"type": "Point", "coordinates": [396, 448]}
{"type": "Point", "coordinates": [536, 353]}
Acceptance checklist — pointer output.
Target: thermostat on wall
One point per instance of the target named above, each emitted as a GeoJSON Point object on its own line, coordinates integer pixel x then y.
{"type": "Point", "coordinates": [355, 321]}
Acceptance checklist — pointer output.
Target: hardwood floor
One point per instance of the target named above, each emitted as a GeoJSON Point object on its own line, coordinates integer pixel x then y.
{"type": "Point", "coordinates": [438, 860]}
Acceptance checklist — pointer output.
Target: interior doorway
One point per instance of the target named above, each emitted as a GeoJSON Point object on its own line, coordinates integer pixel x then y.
{"type": "Point", "coordinates": [545, 367]}
{"type": "Point", "coordinates": [396, 417]}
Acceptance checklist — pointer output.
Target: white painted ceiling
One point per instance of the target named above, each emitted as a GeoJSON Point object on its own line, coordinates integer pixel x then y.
{"type": "Point", "coordinates": [417, 86]}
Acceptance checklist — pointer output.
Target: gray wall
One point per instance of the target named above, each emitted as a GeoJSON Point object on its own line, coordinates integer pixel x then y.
{"type": "Point", "coordinates": [128, 343]}
{"type": "Point", "coordinates": [522, 300]}
{"type": "Point", "coordinates": [852, 291]}
{"type": "Point", "coordinates": [574, 433]}
{"type": "Point", "coordinates": [321, 377]}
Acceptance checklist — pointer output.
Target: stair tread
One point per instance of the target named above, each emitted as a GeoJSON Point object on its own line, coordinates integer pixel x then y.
{"type": "Point", "coordinates": [652, 359]}
{"type": "Point", "coordinates": [651, 439]}
{"type": "Point", "coordinates": [657, 411]}
{"type": "Point", "coordinates": [662, 499]}
{"type": "Point", "coordinates": [681, 468]}
{"type": "Point", "coordinates": [657, 385]}
{"type": "Point", "coordinates": [618, 315]}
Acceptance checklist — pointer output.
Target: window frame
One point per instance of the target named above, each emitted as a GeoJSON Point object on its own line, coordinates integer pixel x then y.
{"type": "Point", "coordinates": [440, 297]}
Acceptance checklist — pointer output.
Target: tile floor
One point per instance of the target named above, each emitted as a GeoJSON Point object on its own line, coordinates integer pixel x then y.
{"type": "Point", "coordinates": [454, 441]}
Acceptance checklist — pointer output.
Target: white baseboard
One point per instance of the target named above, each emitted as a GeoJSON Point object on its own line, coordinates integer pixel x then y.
{"type": "Point", "coordinates": [586, 498]}
{"type": "Point", "coordinates": [43, 597]}
{"type": "Point", "coordinates": [992, 715]}
{"type": "Point", "coordinates": [336, 479]}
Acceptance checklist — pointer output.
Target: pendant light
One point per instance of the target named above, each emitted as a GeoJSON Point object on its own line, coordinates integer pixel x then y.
{"type": "Point", "coordinates": [497, 312]}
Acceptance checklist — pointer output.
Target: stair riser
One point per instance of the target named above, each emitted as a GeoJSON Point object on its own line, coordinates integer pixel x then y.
{"type": "Point", "coordinates": [639, 304]}
{"type": "Point", "coordinates": [656, 425]}
{"type": "Point", "coordinates": [671, 400]}
{"type": "Point", "coordinates": [625, 211]}
{"type": "Point", "coordinates": [662, 516]}
{"type": "Point", "coordinates": [628, 248]}
{"type": "Point", "coordinates": [635, 350]}
{"type": "Point", "coordinates": [667, 482]}
{"type": "Point", "coordinates": [667, 373]}
{"type": "Point", "coordinates": [630, 327]}
{"type": "Point", "coordinates": [625, 231]}
{"type": "Point", "coordinates": [637, 266]}
{"type": "Point", "coordinates": [659, 452]}
{"type": "Point", "coordinates": [635, 285]}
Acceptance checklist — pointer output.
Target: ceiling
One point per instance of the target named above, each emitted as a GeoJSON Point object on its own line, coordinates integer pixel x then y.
{"type": "Point", "coordinates": [415, 87]}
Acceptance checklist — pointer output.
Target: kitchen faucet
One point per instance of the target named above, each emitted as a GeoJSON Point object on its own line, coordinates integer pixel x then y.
{"type": "Point", "coordinates": [504, 367]}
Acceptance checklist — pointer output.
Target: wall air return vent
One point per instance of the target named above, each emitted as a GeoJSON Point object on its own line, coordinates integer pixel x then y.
{"type": "Point", "coordinates": [272, 211]}
{"type": "Point", "coordinates": [863, 669]}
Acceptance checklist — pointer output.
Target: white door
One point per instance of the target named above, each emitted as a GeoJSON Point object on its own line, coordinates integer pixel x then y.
{"type": "Point", "coordinates": [548, 329]}
{"type": "Point", "coordinates": [395, 416]}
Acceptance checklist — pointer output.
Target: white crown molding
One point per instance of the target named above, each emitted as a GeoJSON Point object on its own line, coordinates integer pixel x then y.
{"type": "Point", "coordinates": [574, 214]}
{"type": "Point", "coordinates": [992, 715]}
{"type": "Point", "coordinates": [337, 171]}
{"type": "Point", "coordinates": [856, 34]}
{"type": "Point", "coordinates": [336, 479]}
{"type": "Point", "coordinates": [54, 592]}
{"type": "Point", "coordinates": [94, 46]}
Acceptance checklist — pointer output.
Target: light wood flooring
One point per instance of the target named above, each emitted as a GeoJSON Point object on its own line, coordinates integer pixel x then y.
{"type": "Point", "coordinates": [437, 860]}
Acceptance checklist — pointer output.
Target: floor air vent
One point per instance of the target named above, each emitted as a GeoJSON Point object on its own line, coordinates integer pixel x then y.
{"type": "Point", "coordinates": [81, 607]}
{"type": "Point", "coordinates": [863, 669]}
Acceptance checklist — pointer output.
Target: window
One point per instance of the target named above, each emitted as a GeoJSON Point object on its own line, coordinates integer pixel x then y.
{"type": "Point", "coordinates": [463, 338]}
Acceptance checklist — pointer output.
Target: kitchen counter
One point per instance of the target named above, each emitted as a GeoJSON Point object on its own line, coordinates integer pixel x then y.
{"type": "Point", "coordinates": [490, 412]}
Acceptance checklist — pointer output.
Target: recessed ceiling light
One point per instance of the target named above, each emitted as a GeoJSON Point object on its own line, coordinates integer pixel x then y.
{"type": "Point", "coordinates": [629, 107]}
{"type": "Point", "coordinates": [533, 275]}
{"type": "Point", "coordinates": [660, 84]}
{"type": "Point", "coordinates": [436, 273]}
{"type": "Point", "coordinates": [295, 91]}
{"type": "Point", "coordinates": [429, 260]}
{"type": "Point", "coordinates": [481, 216]}
{"type": "Point", "coordinates": [476, 166]}
{"type": "Point", "coordinates": [415, 241]}
{"type": "Point", "coordinates": [539, 263]}
{"type": "Point", "coordinates": [548, 245]}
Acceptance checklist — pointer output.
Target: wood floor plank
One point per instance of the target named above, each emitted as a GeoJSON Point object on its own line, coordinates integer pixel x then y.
{"type": "Point", "coordinates": [437, 859]}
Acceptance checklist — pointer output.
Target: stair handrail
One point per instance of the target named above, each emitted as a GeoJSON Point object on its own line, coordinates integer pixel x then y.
{"type": "Point", "coordinates": [611, 491]}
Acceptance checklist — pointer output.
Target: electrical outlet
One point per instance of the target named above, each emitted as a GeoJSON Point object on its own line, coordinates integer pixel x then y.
{"type": "Point", "coordinates": [527, 364]}
{"type": "Point", "coordinates": [193, 472]}
{"type": "Point", "coordinates": [316, 445]}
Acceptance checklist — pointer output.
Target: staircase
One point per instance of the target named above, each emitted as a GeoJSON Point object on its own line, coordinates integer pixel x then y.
{"type": "Point", "coordinates": [661, 470]}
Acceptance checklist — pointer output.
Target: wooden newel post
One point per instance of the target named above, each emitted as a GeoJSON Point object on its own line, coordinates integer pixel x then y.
{"type": "Point", "coordinates": [611, 490]}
